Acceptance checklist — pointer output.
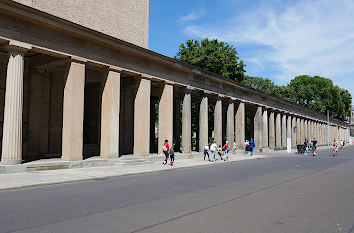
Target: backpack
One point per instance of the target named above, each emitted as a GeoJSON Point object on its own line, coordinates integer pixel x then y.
{"type": "Point", "coordinates": [164, 148]}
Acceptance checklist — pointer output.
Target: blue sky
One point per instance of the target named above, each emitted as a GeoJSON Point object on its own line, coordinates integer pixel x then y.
{"type": "Point", "coordinates": [277, 39]}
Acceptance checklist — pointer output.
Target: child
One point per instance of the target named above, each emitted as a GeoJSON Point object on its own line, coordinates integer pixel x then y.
{"type": "Point", "coordinates": [172, 155]}
{"type": "Point", "coordinates": [206, 152]}
{"type": "Point", "coordinates": [220, 152]}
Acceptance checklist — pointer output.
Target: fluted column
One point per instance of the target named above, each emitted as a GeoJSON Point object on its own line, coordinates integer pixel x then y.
{"type": "Point", "coordinates": [302, 131]}
{"type": "Point", "coordinates": [258, 128]}
{"type": "Point", "coordinates": [110, 108]}
{"type": "Point", "coordinates": [203, 123]}
{"type": "Point", "coordinates": [298, 134]}
{"type": "Point", "coordinates": [218, 122]}
{"type": "Point", "coordinates": [142, 124]}
{"type": "Point", "coordinates": [166, 116]}
{"type": "Point", "coordinates": [73, 112]}
{"type": "Point", "coordinates": [278, 130]}
{"type": "Point", "coordinates": [230, 124]}
{"type": "Point", "coordinates": [187, 123]}
{"type": "Point", "coordinates": [283, 131]}
{"type": "Point", "coordinates": [240, 126]}
{"type": "Point", "coordinates": [293, 134]}
{"type": "Point", "coordinates": [306, 129]}
{"type": "Point", "coordinates": [288, 128]}
{"type": "Point", "coordinates": [12, 128]}
{"type": "Point", "coordinates": [271, 131]}
{"type": "Point", "coordinates": [265, 129]}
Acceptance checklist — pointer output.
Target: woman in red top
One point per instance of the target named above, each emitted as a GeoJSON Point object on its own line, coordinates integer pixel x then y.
{"type": "Point", "coordinates": [165, 149]}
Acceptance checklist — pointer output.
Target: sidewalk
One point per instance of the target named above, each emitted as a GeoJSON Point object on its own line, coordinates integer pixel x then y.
{"type": "Point", "coordinates": [39, 178]}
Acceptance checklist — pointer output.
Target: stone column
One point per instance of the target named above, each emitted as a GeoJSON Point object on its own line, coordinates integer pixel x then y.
{"type": "Point", "coordinates": [166, 116]}
{"type": "Point", "coordinates": [203, 123]}
{"type": "Point", "coordinates": [278, 131]}
{"type": "Point", "coordinates": [240, 126]}
{"type": "Point", "coordinates": [110, 108]}
{"type": "Point", "coordinates": [218, 122]}
{"type": "Point", "coordinates": [302, 131]}
{"type": "Point", "coordinates": [258, 129]}
{"type": "Point", "coordinates": [305, 129]}
{"type": "Point", "coordinates": [283, 131]}
{"type": "Point", "coordinates": [288, 128]}
{"type": "Point", "coordinates": [271, 131]}
{"type": "Point", "coordinates": [187, 123]}
{"type": "Point", "coordinates": [142, 124]}
{"type": "Point", "coordinates": [265, 129]}
{"type": "Point", "coordinates": [12, 127]}
{"type": "Point", "coordinates": [293, 134]}
{"type": "Point", "coordinates": [298, 134]}
{"type": "Point", "coordinates": [73, 112]}
{"type": "Point", "coordinates": [230, 124]}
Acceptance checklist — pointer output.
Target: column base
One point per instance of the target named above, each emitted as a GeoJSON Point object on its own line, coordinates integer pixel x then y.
{"type": "Point", "coordinates": [10, 162]}
{"type": "Point", "coordinates": [266, 150]}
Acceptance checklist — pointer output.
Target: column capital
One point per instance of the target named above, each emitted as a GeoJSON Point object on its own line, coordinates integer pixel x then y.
{"type": "Point", "coordinates": [115, 69]}
{"type": "Point", "coordinates": [19, 47]}
{"type": "Point", "coordinates": [77, 60]}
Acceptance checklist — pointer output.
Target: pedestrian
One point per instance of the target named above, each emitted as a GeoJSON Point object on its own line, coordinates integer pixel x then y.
{"type": "Point", "coordinates": [165, 149]}
{"type": "Point", "coordinates": [227, 150]}
{"type": "Point", "coordinates": [341, 144]}
{"type": "Point", "coordinates": [252, 146]}
{"type": "Point", "coordinates": [246, 146]}
{"type": "Point", "coordinates": [172, 155]}
{"type": "Point", "coordinates": [314, 147]}
{"type": "Point", "coordinates": [206, 152]}
{"type": "Point", "coordinates": [220, 152]}
{"type": "Point", "coordinates": [335, 148]}
{"type": "Point", "coordinates": [213, 147]}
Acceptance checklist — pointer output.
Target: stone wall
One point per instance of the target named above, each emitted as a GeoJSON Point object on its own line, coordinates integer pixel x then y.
{"type": "Point", "coordinates": [127, 20]}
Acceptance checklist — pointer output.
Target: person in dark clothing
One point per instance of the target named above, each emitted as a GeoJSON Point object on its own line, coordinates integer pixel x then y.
{"type": "Point", "coordinates": [172, 155]}
{"type": "Point", "coordinates": [314, 147]}
{"type": "Point", "coordinates": [166, 149]}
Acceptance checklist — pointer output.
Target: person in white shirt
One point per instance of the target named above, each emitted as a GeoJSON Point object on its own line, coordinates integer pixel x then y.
{"type": "Point", "coordinates": [206, 152]}
{"type": "Point", "coordinates": [213, 151]}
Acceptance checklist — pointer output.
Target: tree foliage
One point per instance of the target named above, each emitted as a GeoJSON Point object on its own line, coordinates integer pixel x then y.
{"type": "Point", "coordinates": [317, 93]}
{"type": "Point", "coordinates": [213, 56]}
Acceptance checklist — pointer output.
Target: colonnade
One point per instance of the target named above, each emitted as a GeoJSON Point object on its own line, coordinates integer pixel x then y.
{"type": "Point", "coordinates": [271, 127]}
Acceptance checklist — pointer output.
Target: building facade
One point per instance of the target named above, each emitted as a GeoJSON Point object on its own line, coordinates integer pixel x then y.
{"type": "Point", "coordinates": [68, 90]}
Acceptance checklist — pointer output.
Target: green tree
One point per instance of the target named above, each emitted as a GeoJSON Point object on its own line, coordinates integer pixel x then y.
{"type": "Point", "coordinates": [213, 56]}
{"type": "Point", "coordinates": [319, 93]}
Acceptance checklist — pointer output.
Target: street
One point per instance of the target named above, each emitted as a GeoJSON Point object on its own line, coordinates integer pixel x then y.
{"type": "Point", "coordinates": [285, 193]}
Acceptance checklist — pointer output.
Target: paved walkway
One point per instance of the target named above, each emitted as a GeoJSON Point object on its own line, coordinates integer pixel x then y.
{"type": "Point", "coordinates": [38, 178]}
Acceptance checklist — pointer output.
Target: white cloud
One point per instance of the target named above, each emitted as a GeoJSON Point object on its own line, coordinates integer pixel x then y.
{"type": "Point", "coordinates": [192, 16]}
{"type": "Point", "coordinates": [307, 37]}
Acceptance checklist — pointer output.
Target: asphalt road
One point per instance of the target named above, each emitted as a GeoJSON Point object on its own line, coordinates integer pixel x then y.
{"type": "Point", "coordinates": [293, 193]}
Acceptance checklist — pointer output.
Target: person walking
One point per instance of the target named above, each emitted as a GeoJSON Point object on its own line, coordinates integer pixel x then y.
{"type": "Point", "coordinates": [335, 148]}
{"type": "Point", "coordinates": [341, 144]}
{"type": "Point", "coordinates": [213, 151]}
{"type": "Point", "coordinates": [252, 146]}
{"type": "Point", "coordinates": [246, 146]}
{"type": "Point", "coordinates": [206, 152]}
{"type": "Point", "coordinates": [165, 149]}
{"type": "Point", "coordinates": [172, 155]}
{"type": "Point", "coordinates": [314, 147]}
{"type": "Point", "coordinates": [220, 152]}
{"type": "Point", "coordinates": [227, 150]}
